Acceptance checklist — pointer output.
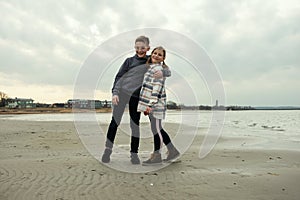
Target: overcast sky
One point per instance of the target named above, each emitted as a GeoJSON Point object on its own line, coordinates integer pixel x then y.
{"type": "Point", "coordinates": [254, 44]}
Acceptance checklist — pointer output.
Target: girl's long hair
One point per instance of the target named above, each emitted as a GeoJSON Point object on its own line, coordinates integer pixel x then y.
{"type": "Point", "coordinates": [149, 61]}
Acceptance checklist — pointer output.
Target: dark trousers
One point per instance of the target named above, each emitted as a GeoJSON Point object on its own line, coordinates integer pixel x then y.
{"type": "Point", "coordinates": [118, 111]}
{"type": "Point", "coordinates": [159, 134]}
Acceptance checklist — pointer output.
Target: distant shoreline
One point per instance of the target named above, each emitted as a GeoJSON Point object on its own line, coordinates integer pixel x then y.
{"type": "Point", "coordinates": [13, 111]}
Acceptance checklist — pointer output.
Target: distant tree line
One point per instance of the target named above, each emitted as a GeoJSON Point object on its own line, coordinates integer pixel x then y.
{"type": "Point", "coordinates": [3, 97]}
{"type": "Point", "coordinates": [173, 105]}
{"type": "Point", "coordinates": [170, 105]}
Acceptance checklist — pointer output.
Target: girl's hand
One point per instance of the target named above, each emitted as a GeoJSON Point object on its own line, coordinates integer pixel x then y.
{"type": "Point", "coordinates": [158, 74]}
{"type": "Point", "coordinates": [148, 111]}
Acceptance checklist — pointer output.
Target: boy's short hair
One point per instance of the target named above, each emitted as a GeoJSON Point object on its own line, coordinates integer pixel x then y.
{"type": "Point", "coordinates": [143, 39]}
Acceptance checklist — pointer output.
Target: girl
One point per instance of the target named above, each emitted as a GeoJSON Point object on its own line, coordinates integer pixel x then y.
{"type": "Point", "coordinates": [153, 103]}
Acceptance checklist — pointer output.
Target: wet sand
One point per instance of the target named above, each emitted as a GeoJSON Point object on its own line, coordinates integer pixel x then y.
{"type": "Point", "coordinates": [46, 160]}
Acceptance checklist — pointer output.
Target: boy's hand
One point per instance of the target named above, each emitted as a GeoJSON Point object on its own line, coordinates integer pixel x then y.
{"type": "Point", "coordinates": [148, 111]}
{"type": "Point", "coordinates": [115, 100]}
{"type": "Point", "coordinates": [158, 74]}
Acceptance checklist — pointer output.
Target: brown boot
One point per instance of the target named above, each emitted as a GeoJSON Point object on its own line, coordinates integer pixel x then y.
{"type": "Point", "coordinates": [173, 153]}
{"type": "Point", "coordinates": [155, 159]}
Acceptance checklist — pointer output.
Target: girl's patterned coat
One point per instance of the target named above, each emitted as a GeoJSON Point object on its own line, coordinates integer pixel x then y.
{"type": "Point", "coordinates": [153, 93]}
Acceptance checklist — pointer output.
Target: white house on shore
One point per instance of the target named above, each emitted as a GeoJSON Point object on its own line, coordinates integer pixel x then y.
{"type": "Point", "coordinates": [88, 104]}
{"type": "Point", "coordinates": [19, 103]}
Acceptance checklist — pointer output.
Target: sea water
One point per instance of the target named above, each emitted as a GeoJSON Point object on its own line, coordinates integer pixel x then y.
{"type": "Point", "coordinates": [269, 128]}
{"type": "Point", "coordinates": [172, 116]}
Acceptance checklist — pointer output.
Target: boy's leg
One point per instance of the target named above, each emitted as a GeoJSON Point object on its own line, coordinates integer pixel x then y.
{"type": "Point", "coordinates": [118, 111]}
{"type": "Point", "coordinates": [135, 129]}
{"type": "Point", "coordinates": [134, 123]}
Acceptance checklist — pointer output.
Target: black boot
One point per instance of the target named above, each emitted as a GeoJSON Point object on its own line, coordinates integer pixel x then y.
{"type": "Point", "coordinates": [106, 155]}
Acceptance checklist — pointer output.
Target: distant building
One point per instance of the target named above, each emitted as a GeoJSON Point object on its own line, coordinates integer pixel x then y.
{"type": "Point", "coordinates": [19, 103]}
{"type": "Point", "coordinates": [88, 104]}
{"type": "Point", "coordinates": [106, 104]}
{"type": "Point", "coordinates": [217, 107]}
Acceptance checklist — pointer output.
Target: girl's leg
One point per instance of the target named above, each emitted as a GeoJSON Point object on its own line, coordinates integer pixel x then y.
{"type": "Point", "coordinates": [165, 135]}
{"type": "Point", "coordinates": [157, 136]}
{"type": "Point", "coordinates": [158, 141]}
{"type": "Point", "coordinates": [173, 153]}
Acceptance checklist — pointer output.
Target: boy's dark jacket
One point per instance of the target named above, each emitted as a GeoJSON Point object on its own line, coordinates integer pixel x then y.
{"type": "Point", "coordinates": [131, 74]}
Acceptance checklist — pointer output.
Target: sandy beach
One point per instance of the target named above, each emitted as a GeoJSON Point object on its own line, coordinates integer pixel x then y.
{"type": "Point", "coordinates": [46, 160]}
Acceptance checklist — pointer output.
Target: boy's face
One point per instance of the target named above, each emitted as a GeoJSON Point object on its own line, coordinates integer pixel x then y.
{"type": "Point", "coordinates": [141, 49]}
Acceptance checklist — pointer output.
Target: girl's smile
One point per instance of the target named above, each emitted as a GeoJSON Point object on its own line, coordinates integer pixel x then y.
{"type": "Point", "coordinates": [157, 56]}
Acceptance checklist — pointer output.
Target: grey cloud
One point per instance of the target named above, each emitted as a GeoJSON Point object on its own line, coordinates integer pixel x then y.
{"type": "Point", "coordinates": [261, 40]}
{"type": "Point", "coordinates": [47, 41]}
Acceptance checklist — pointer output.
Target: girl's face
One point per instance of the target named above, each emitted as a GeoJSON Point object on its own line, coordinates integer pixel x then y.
{"type": "Point", "coordinates": [157, 56]}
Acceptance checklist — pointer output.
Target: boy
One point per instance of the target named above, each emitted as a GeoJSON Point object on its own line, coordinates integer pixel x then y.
{"type": "Point", "coordinates": [126, 89]}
